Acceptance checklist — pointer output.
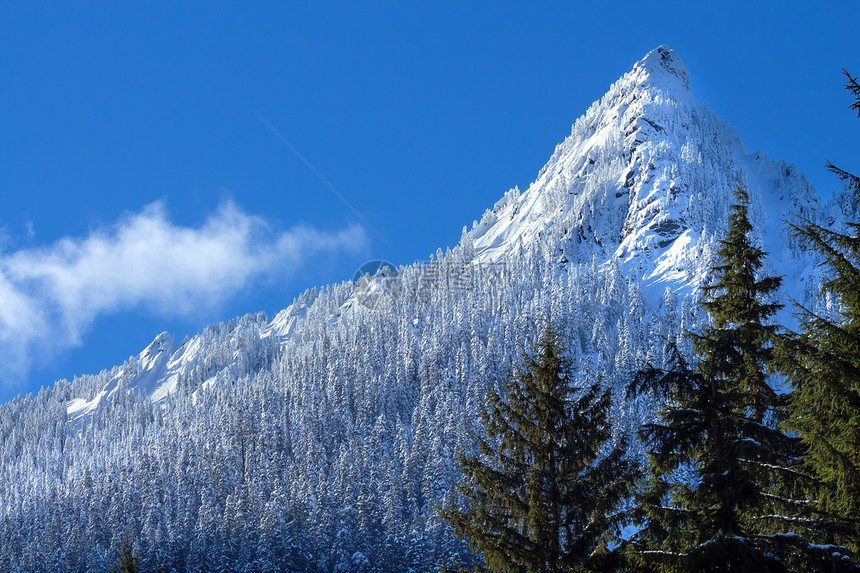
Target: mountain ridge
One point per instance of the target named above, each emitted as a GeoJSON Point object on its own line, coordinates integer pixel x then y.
{"type": "Point", "coordinates": [623, 174]}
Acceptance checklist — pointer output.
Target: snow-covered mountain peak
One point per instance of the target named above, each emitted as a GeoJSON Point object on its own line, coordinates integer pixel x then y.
{"type": "Point", "coordinates": [644, 179]}
{"type": "Point", "coordinates": [662, 66]}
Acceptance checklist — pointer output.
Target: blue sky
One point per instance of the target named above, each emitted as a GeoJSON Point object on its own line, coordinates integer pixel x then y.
{"type": "Point", "coordinates": [141, 192]}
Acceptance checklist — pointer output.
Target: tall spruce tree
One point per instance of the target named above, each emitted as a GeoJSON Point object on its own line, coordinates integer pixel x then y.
{"type": "Point", "coordinates": [738, 302]}
{"type": "Point", "coordinates": [545, 491]}
{"type": "Point", "coordinates": [718, 498]}
{"type": "Point", "coordinates": [823, 365]}
{"type": "Point", "coordinates": [128, 561]}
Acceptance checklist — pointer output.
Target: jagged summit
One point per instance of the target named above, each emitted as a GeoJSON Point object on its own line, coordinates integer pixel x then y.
{"type": "Point", "coordinates": [645, 180]}
{"type": "Point", "coordinates": [660, 63]}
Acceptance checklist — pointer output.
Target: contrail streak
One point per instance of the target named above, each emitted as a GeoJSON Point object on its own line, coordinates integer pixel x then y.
{"type": "Point", "coordinates": [321, 177]}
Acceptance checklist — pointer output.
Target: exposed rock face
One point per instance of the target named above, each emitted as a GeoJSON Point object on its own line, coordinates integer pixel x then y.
{"type": "Point", "coordinates": [645, 176]}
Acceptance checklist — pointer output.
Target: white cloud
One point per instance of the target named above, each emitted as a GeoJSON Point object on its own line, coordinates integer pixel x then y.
{"type": "Point", "coordinates": [50, 296]}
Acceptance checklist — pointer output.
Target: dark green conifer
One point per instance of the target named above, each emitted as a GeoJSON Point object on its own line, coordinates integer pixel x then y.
{"type": "Point", "coordinates": [544, 493]}
{"type": "Point", "coordinates": [738, 302]}
{"type": "Point", "coordinates": [823, 366]}
{"type": "Point", "coordinates": [128, 562]}
{"type": "Point", "coordinates": [720, 497]}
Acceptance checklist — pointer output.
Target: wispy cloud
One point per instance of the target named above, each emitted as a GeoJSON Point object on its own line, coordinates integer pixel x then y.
{"type": "Point", "coordinates": [50, 296]}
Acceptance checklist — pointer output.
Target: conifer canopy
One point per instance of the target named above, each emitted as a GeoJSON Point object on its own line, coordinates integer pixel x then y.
{"type": "Point", "coordinates": [822, 363]}
{"type": "Point", "coordinates": [723, 494]}
{"type": "Point", "coordinates": [544, 490]}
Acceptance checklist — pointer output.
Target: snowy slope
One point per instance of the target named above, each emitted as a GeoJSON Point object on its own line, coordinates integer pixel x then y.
{"type": "Point", "coordinates": [153, 372]}
{"type": "Point", "coordinates": [157, 370]}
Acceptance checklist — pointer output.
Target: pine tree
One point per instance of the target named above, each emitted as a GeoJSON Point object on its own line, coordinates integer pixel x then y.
{"type": "Point", "coordinates": [738, 303]}
{"type": "Point", "coordinates": [719, 497]}
{"type": "Point", "coordinates": [823, 365]}
{"type": "Point", "coordinates": [128, 562]}
{"type": "Point", "coordinates": [544, 493]}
